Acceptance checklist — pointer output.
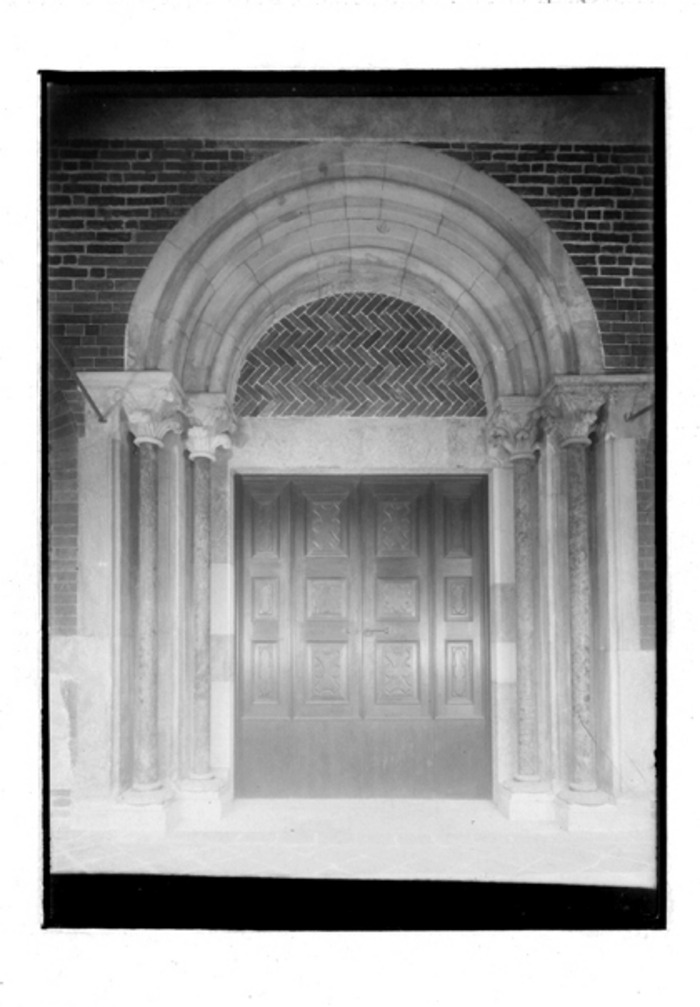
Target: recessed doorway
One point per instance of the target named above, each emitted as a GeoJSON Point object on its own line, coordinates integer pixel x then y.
{"type": "Point", "coordinates": [362, 662]}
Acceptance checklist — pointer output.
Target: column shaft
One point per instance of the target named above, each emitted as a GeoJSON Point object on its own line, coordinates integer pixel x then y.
{"type": "Point", "coordinates": [201, 767]}
{"type": "Point", "coordinates": [146, 769]}
{"type": "Point", "coordinates": [528, 760]}
{"type": "Point", "coordinates": [584, 771]}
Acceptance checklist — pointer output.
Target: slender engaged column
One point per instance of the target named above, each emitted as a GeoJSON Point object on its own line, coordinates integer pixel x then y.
{"type": "Point", "coordinates": [146, 774]}
{"type": "Point", "coordinates": [573, 412]}
{"type": "Point", "coordinates": [514, 429]}
{"type": "Point", "coordinates": [202, 617]}
{"type": "Point", "coordinates": [150, 403]}
{"type": "Point", "coordinates": [528, 761]}
{"type": "Point", "coordinates": [211, 418]}
{"type": "Point", "coordinates": [584, 770]}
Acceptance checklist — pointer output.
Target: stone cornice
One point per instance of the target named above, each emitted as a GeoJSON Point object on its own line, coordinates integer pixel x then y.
{"type": "Point", "coordinates": [512, 430]}
{"type": "Point", "coordinates": [212, 422]}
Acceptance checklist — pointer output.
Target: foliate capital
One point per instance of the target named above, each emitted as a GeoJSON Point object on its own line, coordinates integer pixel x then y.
{"type": "Point", "coordinates": [513, 428]}
{"type": "Point", "coordinates": [153, 402]}
{"type": "Point", "coordinates": [572, 412]}
{"type": "Point", "coordinates": [212, 422]}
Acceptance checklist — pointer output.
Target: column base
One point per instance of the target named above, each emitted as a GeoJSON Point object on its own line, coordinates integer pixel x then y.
{"type": "Point", "coordinates": [526, 801]}
{"type": "Point", "coordinates": [143, 797]}
{"type": "Point", "coordinates": [197, 784]}
{"type": "Point", "coordinates": [585, 811]}
{"type": "Point", "coordinates": [199, 804]}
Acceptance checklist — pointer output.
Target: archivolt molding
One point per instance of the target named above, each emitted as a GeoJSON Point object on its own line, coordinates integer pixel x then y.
{"type": "Point", "coordinates": [336, 218]}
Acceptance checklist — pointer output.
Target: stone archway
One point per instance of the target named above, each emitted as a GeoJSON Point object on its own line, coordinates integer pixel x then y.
{"type": "Point", "coordinates": [398, 220]}
{"type": "Point", "coordinates": [424, 229]}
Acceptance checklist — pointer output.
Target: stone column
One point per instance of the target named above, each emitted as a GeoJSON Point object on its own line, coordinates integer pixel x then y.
{"type": "Point", "coordinates": [211, 420]}
{"type": "Point", "coordinates": [513, 428]}
{"type": "Point", "coordinates": [573, 412]}
{"type": "Point", "coordinates": [151, 404]}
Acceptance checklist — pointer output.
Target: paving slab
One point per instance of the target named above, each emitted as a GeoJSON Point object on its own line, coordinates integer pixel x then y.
{"type": "Point", "coordinates": [454, 840]}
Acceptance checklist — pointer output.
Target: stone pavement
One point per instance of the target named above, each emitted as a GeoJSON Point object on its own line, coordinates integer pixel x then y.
{"type": "Point", "coordinates": [450, 840]}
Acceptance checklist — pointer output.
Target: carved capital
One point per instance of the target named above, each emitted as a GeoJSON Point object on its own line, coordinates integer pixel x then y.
{"type": "Point", "coordinates": [152, 402]}
{"type": "Point", "coordinates": [572, 412]}
{"type": "Point", "coordinates": [513, 428]}
{"type": "Point", "coordinates": [212, 422]}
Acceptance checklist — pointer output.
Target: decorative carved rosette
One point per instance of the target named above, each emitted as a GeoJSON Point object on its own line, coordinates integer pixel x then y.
{"type": "Point", "coordinates": [513, 429]}
{"type": "Point", "coordinates": [572, 413]}
{"type": "Point", "coordinates": [212, 422]}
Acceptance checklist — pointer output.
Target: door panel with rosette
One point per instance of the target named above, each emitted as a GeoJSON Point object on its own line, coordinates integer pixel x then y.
{"type": "Point", "coordinates": [362, 663]}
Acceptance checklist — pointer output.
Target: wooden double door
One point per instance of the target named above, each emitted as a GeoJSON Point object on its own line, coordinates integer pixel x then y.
{"type": "Point", "coordinates": [362, 664]}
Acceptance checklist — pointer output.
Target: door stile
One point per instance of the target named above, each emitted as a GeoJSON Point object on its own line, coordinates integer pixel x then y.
{"type": "Point", "coordinates": [432, 607]}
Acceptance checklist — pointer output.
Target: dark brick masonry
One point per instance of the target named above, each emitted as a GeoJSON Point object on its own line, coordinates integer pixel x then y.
{"type": "Point", "coordinates": [359, 355]}
{"type": "Point", "coordinates": [110, 203]}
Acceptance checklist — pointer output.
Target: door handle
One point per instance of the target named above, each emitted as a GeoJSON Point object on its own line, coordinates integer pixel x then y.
{"type": "Point", "coordinates": [371, 632]}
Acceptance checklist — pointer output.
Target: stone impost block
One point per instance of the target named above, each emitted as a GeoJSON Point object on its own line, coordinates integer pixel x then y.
{"type": "Point", "coordinates": [526, 802]}
{"type": "Point", "coordinates": [198, 808]}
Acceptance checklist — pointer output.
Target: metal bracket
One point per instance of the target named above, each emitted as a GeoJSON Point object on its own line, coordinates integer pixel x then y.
{"type": "Point", "coordinates": [640, 412]}
{"type": "Point", "coordinates": [81, 386]}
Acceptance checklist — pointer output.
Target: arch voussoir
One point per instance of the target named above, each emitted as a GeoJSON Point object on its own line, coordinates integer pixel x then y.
{"type": "Point", "coordinates": [392, 219]}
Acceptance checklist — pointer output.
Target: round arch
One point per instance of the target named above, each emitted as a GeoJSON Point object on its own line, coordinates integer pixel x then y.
{"type": "Point", "coordinates": [392, 219]}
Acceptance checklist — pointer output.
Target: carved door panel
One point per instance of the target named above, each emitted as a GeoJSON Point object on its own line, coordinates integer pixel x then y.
{"type": "Point", "coordinates": [326, 600]}
{"type": "Point", "coordinates": [362, 663]}
{"type": "Point", "coordinates": [396, 638]}
{"type": "Point", "coordinates": [265, 685]}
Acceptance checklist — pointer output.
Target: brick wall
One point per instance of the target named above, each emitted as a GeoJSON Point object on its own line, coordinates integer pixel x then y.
{"type": "Point", "coordinates": [110, 203]}
{"type": "Point", "coordinates": [63, 410]}
{"type": "Point", "coordinates": [598, 201]}
{"type": "Point", "coordinates": [359, 354]}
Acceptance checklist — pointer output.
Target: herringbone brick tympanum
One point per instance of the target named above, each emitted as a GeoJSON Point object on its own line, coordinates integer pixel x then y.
{"type": "Point", "coordinates": [359, 354]}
